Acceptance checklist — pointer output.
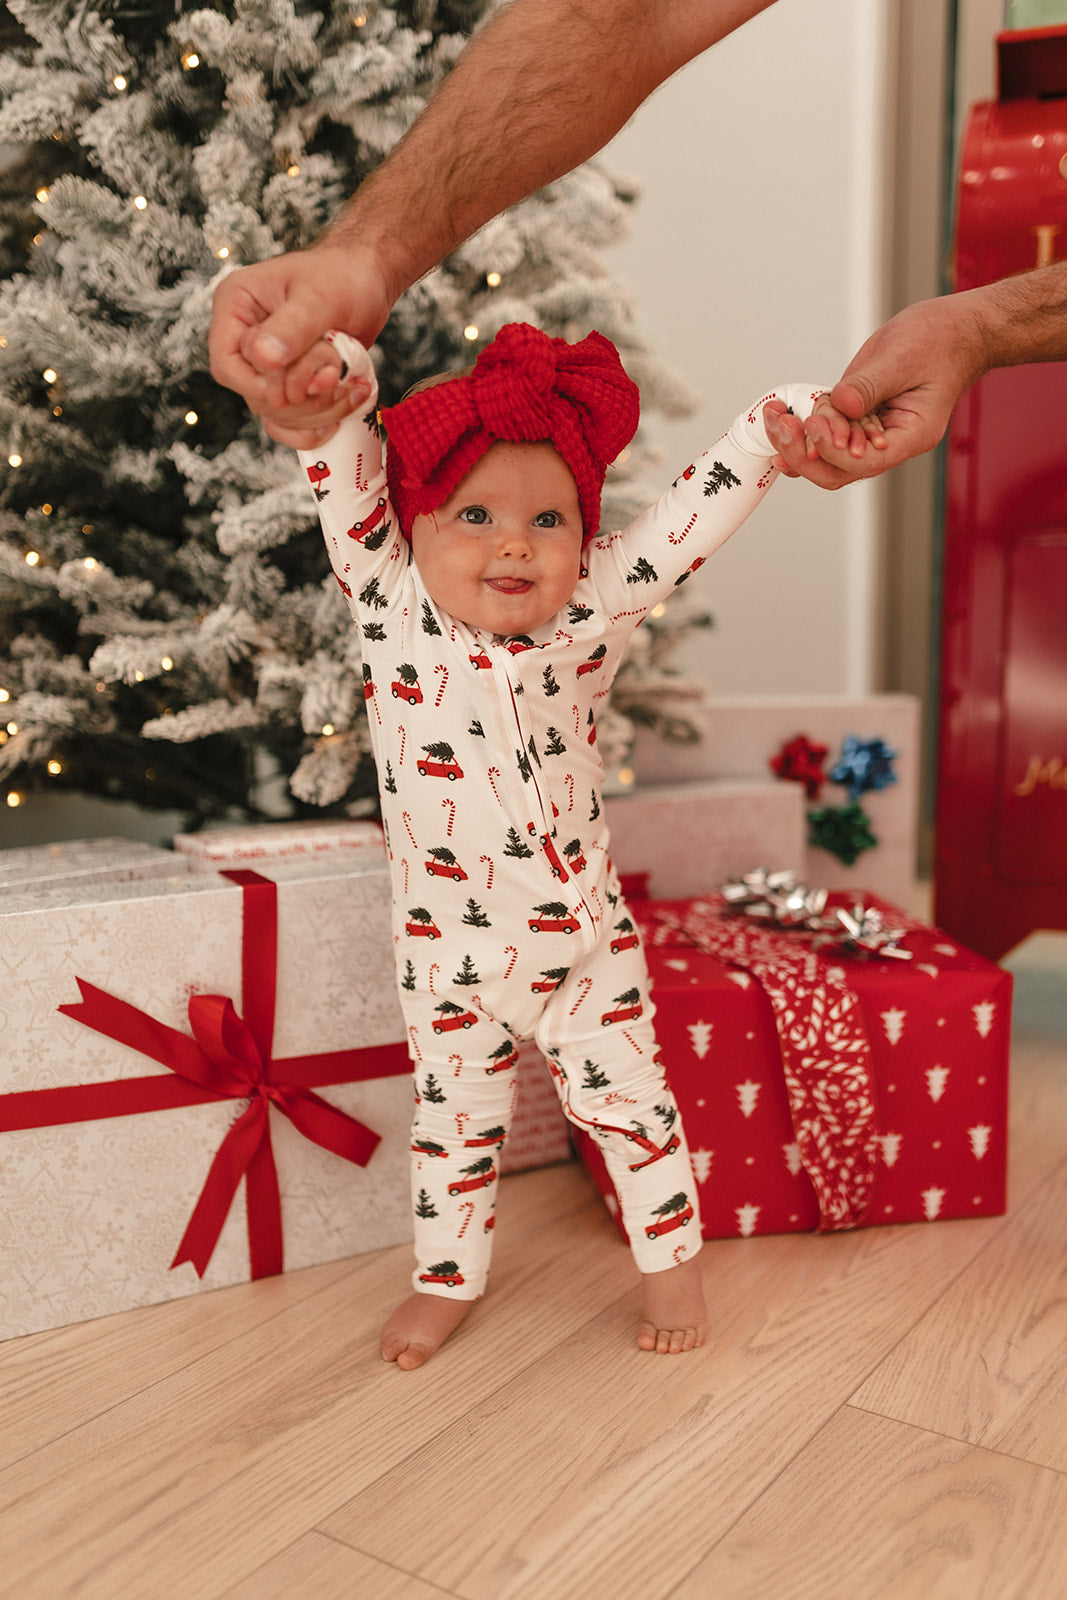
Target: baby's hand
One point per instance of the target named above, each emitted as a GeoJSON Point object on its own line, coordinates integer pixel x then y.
{"type": "Point", "coordinates": [827, 424]}
{"type": "Point", "coordinates": [308, 401]}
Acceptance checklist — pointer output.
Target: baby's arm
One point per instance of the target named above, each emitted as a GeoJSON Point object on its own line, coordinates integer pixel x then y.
{"type": "Point", "coordinates": [347, 476]}
{"type": "Point", "coordinates": [713, 497]}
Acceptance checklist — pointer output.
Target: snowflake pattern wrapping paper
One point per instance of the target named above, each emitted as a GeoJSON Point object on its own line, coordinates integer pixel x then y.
{"type": "Point", "coordinates": [937, 1029]}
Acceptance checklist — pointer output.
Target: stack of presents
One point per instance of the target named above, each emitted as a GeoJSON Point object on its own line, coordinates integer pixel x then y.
{"type": "Point", "coordinates": [204, 1074]}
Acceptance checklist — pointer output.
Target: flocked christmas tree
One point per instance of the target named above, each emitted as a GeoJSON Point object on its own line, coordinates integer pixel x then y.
{"type": "Point", "coordinates": [169, 630]}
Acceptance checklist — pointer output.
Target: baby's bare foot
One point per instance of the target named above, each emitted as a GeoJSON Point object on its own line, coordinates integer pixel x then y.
{"type": "Point", "coordinates": [675, 1315]}
{"type": "Point", "coordinates": [419, 1327]}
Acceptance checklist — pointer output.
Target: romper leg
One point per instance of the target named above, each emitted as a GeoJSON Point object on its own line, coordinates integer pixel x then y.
{"type": "Point", "coordinates": [465, 1086]}
{"type": "Point", "coordinates": [600, 1042]}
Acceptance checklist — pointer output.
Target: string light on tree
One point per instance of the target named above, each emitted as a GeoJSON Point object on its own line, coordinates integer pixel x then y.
{"type": "Point", "coordinates": [470, 332]}
{"type": "Point", "coordinates": [49, 374]}
{"type": "Point", "coordinates": [14, 798]}
{"type": "Point", "coordinates": [190, 60]}
{"type": "Point", "coordinates": [32, 558]}
{"type": "Point", "coordinates": [119, 82]}
{"type": "Point", "coordinates": [191, 418]}
{"type": "Point", "coordinates": [55, 768]}
{"type": "Point", "coordinates": [42, 193]}
{"type": "Point", "coordinates": [140, 203]}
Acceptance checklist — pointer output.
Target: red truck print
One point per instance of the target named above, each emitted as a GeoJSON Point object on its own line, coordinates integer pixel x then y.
{"type": "Point", "coordinates": [673, 1213]}
{"type": "Point", "coordinates": [520, 643]}
{"type": "Point", "coordinates": [694, 566]}
{"type": "Point", "coordinates": [487, 1136]}
{"type": "Point", "coordinates": [439, 762]}
{"type": "Point", "coordinates": [318, 472]}
{"type": "Point", "coordinates": [657, 1152]}
{"type": "Point", "coordinates": [444, 865]}
{"type": "Point", "coordinates": [595, 661]}
{"type": "Point", "coordinates": [627, 1006]}
{"type": "Point", "coordinates": [549, 980]}
{"type": "Point", "coordinates": [625, 937]}
{"type": "Point", "coordinates": [420, 924]}
{"type": "Point", "coordinates": [481, 660]}
{"type": "Point", "coordinates": [444, 1272]}
{"type": "Point", "coordinates": [553, 918]}
{"type": "Point", "coordinates": [427, 1147]}
{"type": "Point", "coordinates": [360, 530]}
{"type": "Point", "coordinates": [481, 1174]}
{"type": "Point", "coordinates": [452, 1017]}
{"type": "Point", "coordinates": [575, 859]}
{"type": "Point", "coordinates": [503, 1058]}
{"type": "Point", "coordinates": [405, 685]}
{"type": "Point", "coordinates": [558, 869]}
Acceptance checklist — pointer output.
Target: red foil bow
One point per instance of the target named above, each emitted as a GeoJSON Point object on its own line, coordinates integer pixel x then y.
{"type": "Point", "coordinates": [227, 1057]}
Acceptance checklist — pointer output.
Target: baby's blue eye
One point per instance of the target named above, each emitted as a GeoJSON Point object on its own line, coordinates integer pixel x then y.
{"type": "Point", "coordinates": [548, 519]}
{"type": "Point", "coordinates": [476, 514]}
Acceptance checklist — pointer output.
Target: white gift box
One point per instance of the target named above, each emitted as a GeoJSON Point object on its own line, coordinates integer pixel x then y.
{"type": "Point", "coordinates": [691, 837]}
{"type": "Point", "coordinates": [740, 737]}
{"type": "Point", "coordinates": [95, 1209]}
{"type": "Point", "coordinates": [215, 849]}
{"type": "Point", "coordinates": [75, 863]}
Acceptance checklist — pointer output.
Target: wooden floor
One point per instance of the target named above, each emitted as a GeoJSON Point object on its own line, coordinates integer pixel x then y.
{"type": "Point", "coordinates": [876, 1414]}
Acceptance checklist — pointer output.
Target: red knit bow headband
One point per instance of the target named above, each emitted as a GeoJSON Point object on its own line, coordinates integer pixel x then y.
{"type": "Point", "coordinates": [525, 388]}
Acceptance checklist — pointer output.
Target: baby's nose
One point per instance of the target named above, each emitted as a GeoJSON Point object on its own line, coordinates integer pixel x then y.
{"type": "Point", "coordinates": [515, 541]}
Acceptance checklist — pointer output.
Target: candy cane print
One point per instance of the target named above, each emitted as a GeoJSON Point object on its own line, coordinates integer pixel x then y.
{"type": "Point", "coordinates": [407, 824]}
{"type": "Point", "coordinates": [494, 773]}
{"type": "Point", "coordinates": [434, 967]}
{"type": "Point", "coordinates": [443, 671]}
{"type": "Point", "coordinates": [577, 718]}
{"type": "Point", "coordinates": [564, 638]}
{"type": "Point", "coordinates": [593, 895]}
{"type": "Point", "coordinates": [456, 1063]}
{"type": "Point", "coordinates": [461, 1118]}
{"type": "Point", "coordinates": [569, 781]}
{"type": "Point", "coordinates": [584, 985]}
{"type": "Point", "coordinates": [404, 863]}
{"type": "Point", "coordinates": [403, 732]}
{"type": "Point", "coordinates": [468, 1208]}
{"type": "Point", "coordinates": [450, 807]}
{"type": "Point", "coordinates": [511, 951]}
{"type": "Point", "coordinates": [679, 1253]}
{"type": "Point", "coordinates": [679, 538]}
{"type": "Point", "coordinates": [489, 874]}
{"type": "Point", "coordinates": [413, 1036]}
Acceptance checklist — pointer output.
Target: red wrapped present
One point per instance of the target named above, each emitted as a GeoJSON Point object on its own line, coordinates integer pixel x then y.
{"type": "Point", "coordinates": [822, 1089]}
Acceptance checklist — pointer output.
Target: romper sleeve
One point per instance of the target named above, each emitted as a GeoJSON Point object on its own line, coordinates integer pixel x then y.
{"type": "Point", "coordinates": [368, 553]}
{"type": "Point", "coordinates": [636, 568]}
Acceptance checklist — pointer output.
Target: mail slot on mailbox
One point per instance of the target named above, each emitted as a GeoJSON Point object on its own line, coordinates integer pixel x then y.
{"type": "Point", "coordinates": [1001, 851]}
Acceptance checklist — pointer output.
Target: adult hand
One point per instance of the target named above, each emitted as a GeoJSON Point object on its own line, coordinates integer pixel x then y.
{"type": "Point", "coordinates": [910, 372]}
{"type": "Point", "coordinates": [266, 328]}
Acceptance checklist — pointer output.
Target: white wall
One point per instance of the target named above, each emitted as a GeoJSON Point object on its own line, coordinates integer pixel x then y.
{"type": "Point", "coordinates": [757, 257]}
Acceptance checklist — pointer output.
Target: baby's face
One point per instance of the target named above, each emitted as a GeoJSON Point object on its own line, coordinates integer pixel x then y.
{"type": "Point", "coordinates": [503, 552]}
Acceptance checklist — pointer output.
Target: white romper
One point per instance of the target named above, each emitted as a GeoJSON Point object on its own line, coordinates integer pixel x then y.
{"type": "Point", "coordinates": [508, 920]}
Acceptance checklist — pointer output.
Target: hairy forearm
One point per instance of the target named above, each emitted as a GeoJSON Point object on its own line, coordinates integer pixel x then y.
{"type": "Point", "coordinates": [541, 88]}
{"type": "Point", "coordinates": [1022, 319]}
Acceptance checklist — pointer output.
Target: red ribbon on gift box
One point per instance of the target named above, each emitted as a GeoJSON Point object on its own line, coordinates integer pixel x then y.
{"type": "Point", "coordinates": [826, 1055]}
{"type": "Point", "coordinates": [228, 1057]}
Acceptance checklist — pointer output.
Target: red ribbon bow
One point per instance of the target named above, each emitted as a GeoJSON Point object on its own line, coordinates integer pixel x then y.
{"type": "Point", "coordinates": [228, 1057]}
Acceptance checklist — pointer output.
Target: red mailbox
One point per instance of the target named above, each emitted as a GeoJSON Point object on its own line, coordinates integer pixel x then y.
{"type": "Point", "coordinates": [1001, 852]}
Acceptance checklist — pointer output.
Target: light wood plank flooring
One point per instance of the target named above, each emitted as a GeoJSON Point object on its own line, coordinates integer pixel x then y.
{"type": "Point", "coordinates": [876, 1416]}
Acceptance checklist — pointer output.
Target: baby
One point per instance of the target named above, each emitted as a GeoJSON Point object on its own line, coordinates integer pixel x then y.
{"type": "Point", "coordinates": [492, 621]}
